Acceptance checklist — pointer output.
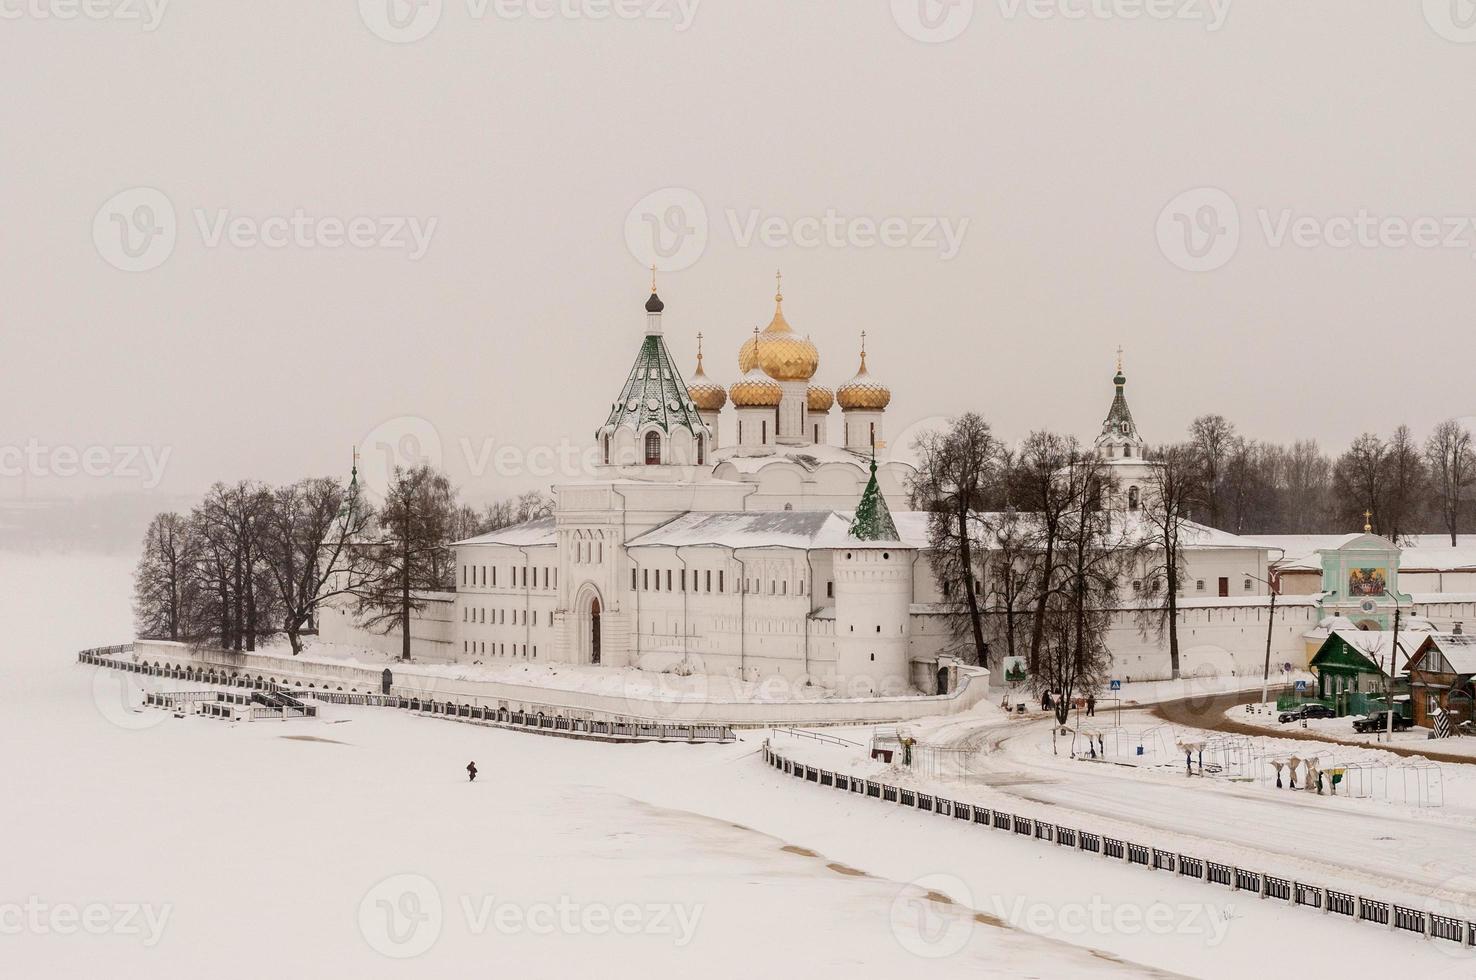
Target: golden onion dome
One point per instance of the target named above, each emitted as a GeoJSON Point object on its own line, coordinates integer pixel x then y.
{"type": "Point", "coordinates": [863, 391]}
{"type": "Point", "coordinates": [819, 398]}
{"type": "Point", "coordinates": [756, 390]}
{"type": "Point", "coordinates": [705, 394]}
{"type": "Point", "coordinates": [783, 354]}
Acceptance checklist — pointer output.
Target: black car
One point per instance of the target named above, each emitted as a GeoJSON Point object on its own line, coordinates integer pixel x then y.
{"type": "Point", "coordinates": [1311, 710]}
{"type": "Point", "coordinates": [1379, 722]}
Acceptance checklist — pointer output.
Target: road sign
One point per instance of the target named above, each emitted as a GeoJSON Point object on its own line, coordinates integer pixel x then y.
{"type": "Point", "coordinates": [1301, 686]}
{"type": "Point", "coordinates": [1114, 685]}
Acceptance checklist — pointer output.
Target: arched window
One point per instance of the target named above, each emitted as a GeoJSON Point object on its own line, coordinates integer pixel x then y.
{"type": "Point", "coordinates": [653, 449]}
{"type": "Point", "coordinates": [701, 450]}
{"type": "Point", "coordinates": [1132, 498]}
{"type": "Point", "coordinates": [607, 450]}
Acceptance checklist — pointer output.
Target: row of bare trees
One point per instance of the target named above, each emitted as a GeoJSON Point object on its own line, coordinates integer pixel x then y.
{"type": "Point", "coordinates": [252, 561]}
{"type": "Point", "coordinates": [1408, 486]}
{"type": "Point", "coordinates": [1027, 550]}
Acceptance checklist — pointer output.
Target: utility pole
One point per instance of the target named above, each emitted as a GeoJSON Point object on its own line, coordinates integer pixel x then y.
{"type": "Point", "coordinates": [1272, 588]}
{"type": "Point", "coordinates": [1393, 661]}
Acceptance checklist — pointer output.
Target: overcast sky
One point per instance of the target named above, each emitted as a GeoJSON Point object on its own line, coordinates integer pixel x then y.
{"type": "Point", "coordinates": [1000, 193]}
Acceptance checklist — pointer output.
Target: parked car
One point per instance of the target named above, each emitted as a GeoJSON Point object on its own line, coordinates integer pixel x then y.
{"type": "Point", "coordinates": [1379, 722]}
{"type": "Point", "coordinates": [1310, 710]}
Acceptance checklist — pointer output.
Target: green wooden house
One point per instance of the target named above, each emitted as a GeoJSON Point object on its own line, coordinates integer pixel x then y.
{"type": "Point", "coordinates": [1352, 666]}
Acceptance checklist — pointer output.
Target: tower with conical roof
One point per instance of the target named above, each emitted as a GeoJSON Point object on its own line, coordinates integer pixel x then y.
{"type": "Point", "coordinates": [654, 422]}
{"type": "Point", "coordinates": [873, 520]}
{"type": "Point", "coordinates": [1119, 438]}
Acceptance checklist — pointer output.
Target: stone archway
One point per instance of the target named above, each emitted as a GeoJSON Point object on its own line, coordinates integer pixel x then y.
{"type": "Point", "coordinates": [591, 610]}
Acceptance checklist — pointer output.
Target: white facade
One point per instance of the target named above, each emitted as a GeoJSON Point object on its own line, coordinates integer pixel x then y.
{"type": "Point", "coordinates": [736, 558]}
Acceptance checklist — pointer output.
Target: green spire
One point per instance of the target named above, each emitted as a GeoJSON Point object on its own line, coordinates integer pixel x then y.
{"type": "Point", "coordinates": [873, 521]}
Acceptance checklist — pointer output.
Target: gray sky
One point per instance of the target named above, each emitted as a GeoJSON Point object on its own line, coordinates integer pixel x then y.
{"type": "Point", "coordinates": [1059, 141]}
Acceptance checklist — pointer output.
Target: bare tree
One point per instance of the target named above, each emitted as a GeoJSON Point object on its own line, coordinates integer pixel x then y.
{"type": "Point", "coordinates": [1213, 439]}
{"type": "Point", "coordinates": [956, 472]}
{"type": "Point", "coordinates": [1406, 484]}
{"type": "Point", "coordinates": [1306, 483]}
{"type": "Point", "coordinates": [1096, 547]}
{"type": "Point", "coordinates": [411, 555]}
{"type": "Point", "coordinates": [312, 545]}
{"type": "Point", "coordinates": [1452, 466]}
{"type": "Point", "coordinates": [1044, 483]}
{"type": "Point", "coordinates": [1165, 515]}
{"type": "Point", "coordinates": [166, 580]}
{"type": "Point", "coordinates": [1010, 568]}
{"type": "Point", "coordinates": [1360, 481]}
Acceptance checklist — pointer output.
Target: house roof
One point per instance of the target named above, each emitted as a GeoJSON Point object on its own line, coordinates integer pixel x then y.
{"type": "Point", "coordinates": [803, 529]}
{"type": "Point", "coordinates": [1458, 649]}
{"type": "Point", "coordinates": [528, 534]}
{"type": "Point", "coordinates": [1368, 649]}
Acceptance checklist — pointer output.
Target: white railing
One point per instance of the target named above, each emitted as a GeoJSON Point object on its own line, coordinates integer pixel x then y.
{"type": "Point", "coordinates": [543, 719]}
{"type": "Point", "coordinates": [1388, 914]}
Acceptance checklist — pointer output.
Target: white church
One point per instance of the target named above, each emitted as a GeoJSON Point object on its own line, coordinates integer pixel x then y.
{"type": "Point", "coordinates": [753, 547]}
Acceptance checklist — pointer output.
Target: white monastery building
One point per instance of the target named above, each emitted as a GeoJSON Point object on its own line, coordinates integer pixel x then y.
{"type": "Point", "coordinates": [746, 533]}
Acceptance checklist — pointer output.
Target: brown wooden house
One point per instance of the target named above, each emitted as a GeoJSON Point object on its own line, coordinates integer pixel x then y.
{"type": "Point", "coordinates": [1440, 678]}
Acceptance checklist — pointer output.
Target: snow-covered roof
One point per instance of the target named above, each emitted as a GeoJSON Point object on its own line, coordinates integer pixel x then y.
{"type": "Point", "coordinates": [803, 529]}
{"type": "Point", "coordinates": [1376, 644]}
{"type": "Point", "coordinates": [528, 534]}
{"type": "Point", "coordinates": [811, 458]}
{"type": "Point", "coordinates": [1458, 649]}
{"type": "Point", "coordinates": [1421, 552]}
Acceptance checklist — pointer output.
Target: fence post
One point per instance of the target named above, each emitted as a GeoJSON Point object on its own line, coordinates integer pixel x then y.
{"type": "Point", "coordinates": [1428, 925]}
{"type": "Point", "coordinates": [1323, 893]}
{"type": "Point", "coordinates": [1263, 886]}
{"type": "Point", "coordinates": [1234, 879]}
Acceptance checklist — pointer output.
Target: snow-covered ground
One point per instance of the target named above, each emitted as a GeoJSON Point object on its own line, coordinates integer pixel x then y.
{"type": "Point", "coordinates": [626, 682]}
{"type": "Point", "coordinates": [1341, 729]}
{"type": "Point", "coordinates": [137, 844]}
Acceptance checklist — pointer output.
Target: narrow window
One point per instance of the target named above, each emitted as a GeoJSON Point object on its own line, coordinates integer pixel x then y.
{"type": "Point", "coordinates": [830, 590]}
{"type": "Point", "coordinates": [632, 580]}
{"type": "Point", "coordinates": [653, 449]}
{"type": "Point", "coordinates": [720, 581]}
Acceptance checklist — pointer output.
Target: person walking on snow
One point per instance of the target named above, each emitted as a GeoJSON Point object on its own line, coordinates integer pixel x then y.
{"type": "Point", "coordinates": [471, 772]}
{"type": "Point", "coordinates": [1091, 705]}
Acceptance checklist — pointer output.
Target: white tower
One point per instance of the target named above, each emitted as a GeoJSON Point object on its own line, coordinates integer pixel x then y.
{"type": "Point", "coordinates": [863, 401]}
{"type": "Point", "coordinates": [873, 597]}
